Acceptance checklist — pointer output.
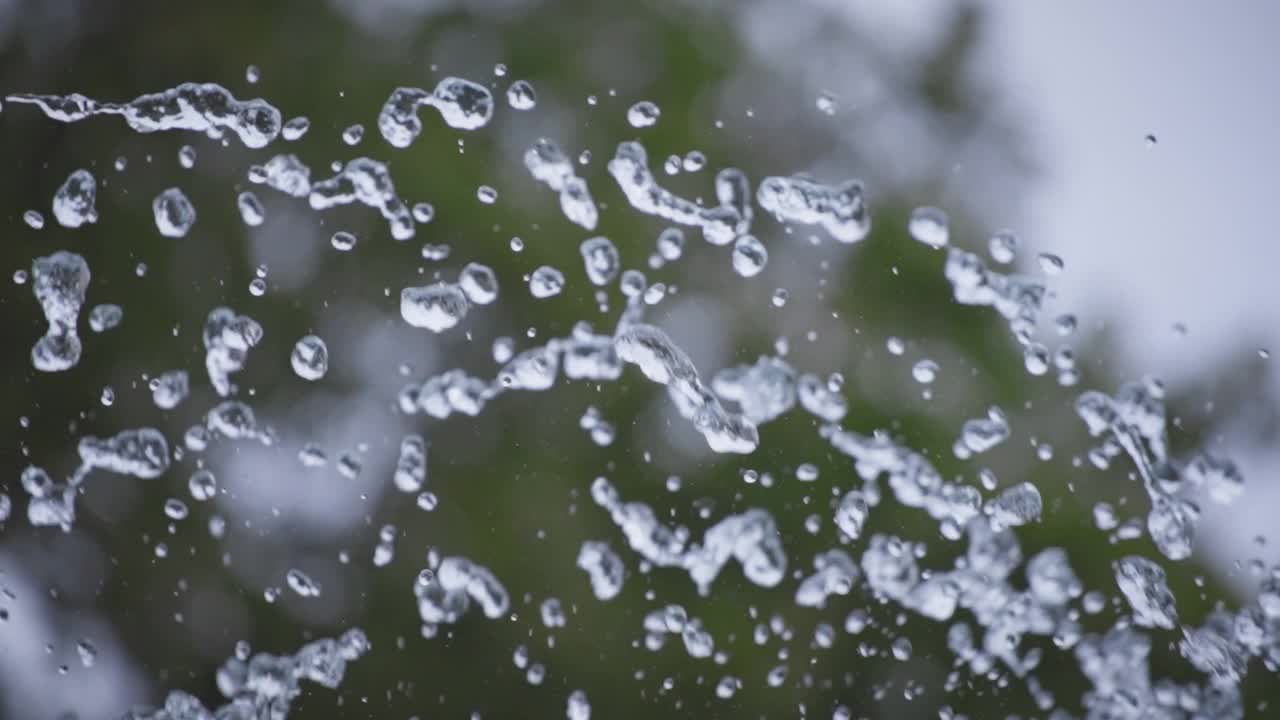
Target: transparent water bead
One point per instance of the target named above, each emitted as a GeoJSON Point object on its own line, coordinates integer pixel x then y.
{"type": "Point", "coordinates": [59, 282]}
{"type": "Point", "coordinates": [286, 173]}
{"type": "Point", "coordinates": [981, 434]}
{"type": "Point", "coordinates": [251, 211]}
{"type": "Point", "coordinates": [749, 256]}
{"type": "Point", "coordinates": [1017, 505]}
{"type": "Point", "coordinates": [52, 504]}
{"type": "Point", "coordinates": [367, 182]}
{"type": "Point", "coordinates": [1050, 264]}
{"type": "Point", "coordinates": [187, 157]}
{"type": "Point", "coordinates": [411, 467]}
{"type": "Point", "coordinates": [342, 241]}
{"type": "Point", "coordinates": [851, 514]}
{"type": "Point", "coordinates": [479, 283]}
{"type": "Point", "coordinates": [202, 107]}
{"type": "Point", "coordinates": [545, 282]}
{"type": "Point", "coordinates": [603, 567]}
{"type": "Point", "coordinates": [295, 128]}
{"type": "Point", "coordinates": [174, 213]}
{"type": "Point", "coordinates": [552, 613]}
{"type": "Point", "coordinates": [549, 165]}
{"type": "Point", "coordinates": [1003, 247]}
{"type": "Point", "coordinates": [353, 134]}
{"type": "Point", "coordinates": [826, 103]}
{"type": "Point", "coordinates": [521, 95]}
{"type": "Point", "coordinates": [310, 358]}
{"type": "Point", "coordinates": [228, 337]}
{"type": "Point", "coordinates": [105, 317]}
{"type": "Point", "coordinates": [762, 391]}
{"type": "Point", "coordinates": [463, 105]}
{"type": "Point", "coordinates": [436, 307]}
{"type": "Point", "coordinates": [73, 203]}
{"type": "Point", "coordinates": [445, 595]}
{"type": "Point", "coordinates": [1143, 585]}
{"type": "Point", "coordinates": [175, 509]}
{"type": "Point", "coordinates": [601, 260]}
{"type": "Point", "coordinates": [486, 195]}
{"type": "Point", "coordinates": [312, 455]}
{"type": "Point", "coordinates": [202, 485]}
{"type": "Point", "coordinates": [816, 397]}
{"type": "Point", "coordinates": [577, 707]}
{"type": "Point", "coordinates": [840, 209]}
{"type": "Point", "coordinates": [671, 244]}
{"type": "Point", "coordinates": [925, 371]}
{"type": "Point", "coordinates": [643, 114]}
{"type": "Point", "coordinates": [170, 388]}
{"type": "Point", "coordinates": [302, 584]}
{"type": "Point", "coordinates": [930, 226]}
{"type": "Point", "coordinates": [142, 453]}
{"type": "Point", "coordinates": [424, 212]}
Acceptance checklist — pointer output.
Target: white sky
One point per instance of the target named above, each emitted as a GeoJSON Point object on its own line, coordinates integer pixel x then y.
{"type": "Point", "coordinates": [1184, 231]}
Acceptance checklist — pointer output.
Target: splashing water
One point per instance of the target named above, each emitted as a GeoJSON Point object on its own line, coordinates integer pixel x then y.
{"type": "Point", "coordinates": [463, 105]}
{"type": "Point", "coordinates": [203, 107]}
{"type": "Point", "coordinates": [367, 182]}
{"type": "Point", "coordinates": [996, 603]}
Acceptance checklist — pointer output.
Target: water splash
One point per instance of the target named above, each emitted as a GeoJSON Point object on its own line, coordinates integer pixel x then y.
{"type": "Point", "coordinates": [201, 107]}
{"type": "Point", "coordinates": [367, 182]}
{"type": "Point", "coordinates": [463, 105]}
{"type": "Point", "coordinates": [549, 165]}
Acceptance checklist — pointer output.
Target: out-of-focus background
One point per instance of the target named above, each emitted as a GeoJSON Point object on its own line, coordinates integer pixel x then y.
{"type": "Point", "coordinates": [1134, 140]}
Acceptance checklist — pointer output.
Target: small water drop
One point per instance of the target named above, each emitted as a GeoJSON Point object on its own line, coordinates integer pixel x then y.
{"type": "Point", "coordinates": [643, 114]}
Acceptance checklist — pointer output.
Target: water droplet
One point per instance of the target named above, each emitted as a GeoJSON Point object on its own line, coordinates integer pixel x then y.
{"type": "Point", "coordinates": [295, 128]}
{"type": "Point", "coordinates": [545, 282]}
{"type": "Point", "coordinates": [1050, 264]}
{"type": "Point", "coordinates": [187, 156]}
{"type": "Point", "coordinates": [174, 213]}
{"type": "Point", "coordinates": [643, 114]}
{"type": "Point", "coordinates": [930, 226]}
{"type": "Point", "coordinates": [1003, 247]}
{"type": "Point", "coordinates": [302, 584]}
{"type": "Point", "coordinates": [251, 210]}
{"type": "Point", "coordinates": [73, 203]}
{"type": "Point", "coordinates": [202, 485]}
{"type": "Point", "coordinates": [310, 358]}
{"type": "Point", "coordinates": [353, 134]}
{"type": "Point", "coordinates": [827, 104]}
{"type": "Point", "coordinates": [925, 371]}
{"type": "Point", "coordinates": [105, 317]}
{"type": "Point", "coordinates": [749, 256]}
{"type": "Point", "coordinates": [436, 307]}
{"type": "Point", "coordinates": [521, 96]}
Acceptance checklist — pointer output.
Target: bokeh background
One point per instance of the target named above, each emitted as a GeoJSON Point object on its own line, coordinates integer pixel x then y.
{"type": "Point", "coordinates": [1018, 115]}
